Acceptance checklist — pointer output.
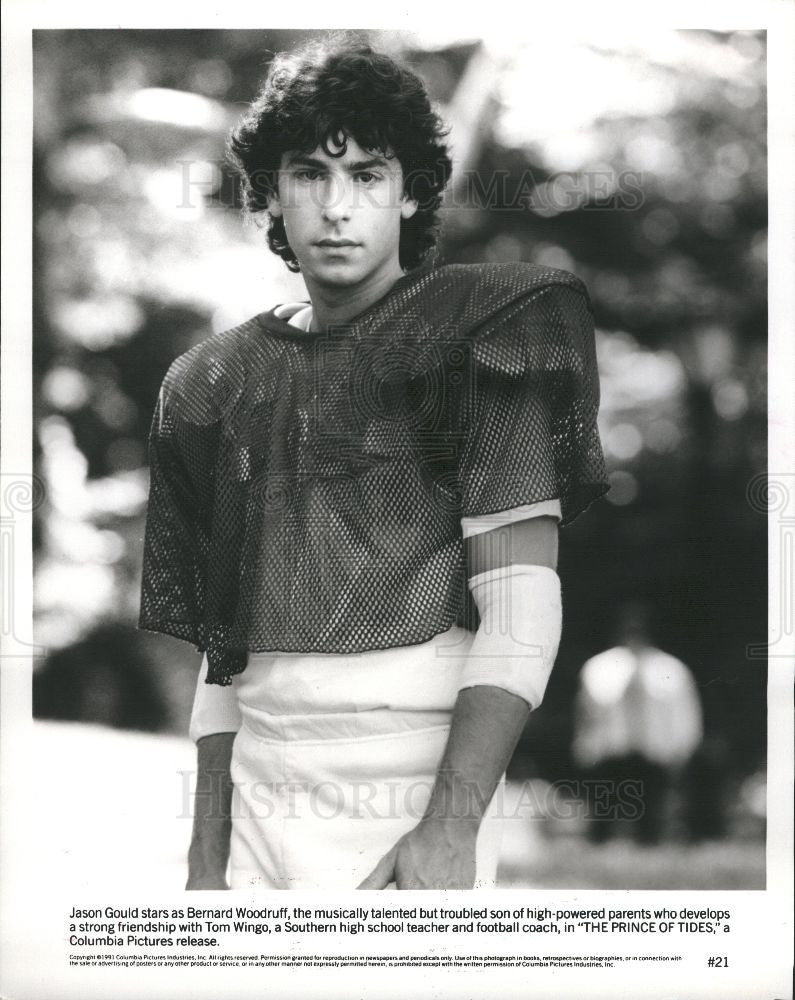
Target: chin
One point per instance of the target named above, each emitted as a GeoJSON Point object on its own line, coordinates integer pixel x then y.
{"type": "Point", "coordinates": [339, 277]}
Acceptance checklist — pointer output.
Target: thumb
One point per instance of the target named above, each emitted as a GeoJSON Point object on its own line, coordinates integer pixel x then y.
{"type": "Point", "coordinates": [382, 874]}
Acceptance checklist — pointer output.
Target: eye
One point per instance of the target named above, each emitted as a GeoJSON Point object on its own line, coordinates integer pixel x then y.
{"type": "Point", "coordinates": [367, 177]}
{"type": "Point", "coordinates": [307, 173]}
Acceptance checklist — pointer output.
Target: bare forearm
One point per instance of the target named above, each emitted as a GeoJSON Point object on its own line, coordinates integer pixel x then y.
{"type": "Point", "coordinates": [212, 824]}
{"type": "Point", "coordinates": [439, 852]}
{"type": "Point", "coordinates": [486, 726]}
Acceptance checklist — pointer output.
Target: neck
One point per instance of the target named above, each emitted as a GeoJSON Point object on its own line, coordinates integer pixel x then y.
{"type": "Point", "coordinates": [333, 305]}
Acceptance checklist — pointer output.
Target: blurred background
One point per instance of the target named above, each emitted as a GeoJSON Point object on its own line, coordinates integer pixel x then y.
{"type": "Point", "coordinates": [636, 160]}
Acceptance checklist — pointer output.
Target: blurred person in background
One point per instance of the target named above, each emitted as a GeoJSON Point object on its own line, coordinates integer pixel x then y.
{"type": "Point", "coordinates": [355, 501]}
{"type": "Point", "coordinates": [638, 724]}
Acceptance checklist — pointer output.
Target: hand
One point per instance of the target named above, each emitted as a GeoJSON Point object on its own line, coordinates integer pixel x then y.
{"type": "Point", "coordinates": [437, 854]}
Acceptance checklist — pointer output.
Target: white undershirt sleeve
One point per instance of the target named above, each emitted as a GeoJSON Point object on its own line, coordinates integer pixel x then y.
{"type": "Point", "coordinates": [215, 708]}
{"type": "Point", "coordinates": [520, 615]}
{"type": "Point", "coordinates": [485, 522]}
{"type": "Point", "coordinates": [519, 634]}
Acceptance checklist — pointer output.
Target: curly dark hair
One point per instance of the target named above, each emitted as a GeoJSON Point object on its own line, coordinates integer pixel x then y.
{"type": "Point", "coordinates": [329, 90]}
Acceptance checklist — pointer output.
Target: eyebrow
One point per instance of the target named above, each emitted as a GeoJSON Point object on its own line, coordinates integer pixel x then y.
{"type": "Point", "coordinates": [311, 161]}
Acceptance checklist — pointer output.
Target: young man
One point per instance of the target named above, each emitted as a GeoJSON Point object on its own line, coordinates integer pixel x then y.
{"type": "Point", "coordinates": [355, 502]}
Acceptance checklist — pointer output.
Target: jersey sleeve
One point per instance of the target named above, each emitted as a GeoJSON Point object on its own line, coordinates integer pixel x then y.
{"type": "Point", "coordinates": [182, 453]}
{"type": "Point", "coordinates": [531, 422]}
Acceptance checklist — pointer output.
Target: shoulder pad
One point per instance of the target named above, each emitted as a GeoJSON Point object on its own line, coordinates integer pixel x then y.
{"type": "Point", "coordinates": [514, 279]}
{"type": "Point", "coordinates": [456, 299]}
{"type": "Point", "coordinates": [204, 381]}
{"type": "Point", "coordinates": [201, 383]}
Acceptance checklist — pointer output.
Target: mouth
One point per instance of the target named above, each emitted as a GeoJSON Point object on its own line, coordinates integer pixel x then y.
{"type": "Point", "coordinates": [331, 244]}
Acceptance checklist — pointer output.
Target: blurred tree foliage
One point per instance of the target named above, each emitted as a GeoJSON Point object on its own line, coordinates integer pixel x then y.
{"type": "Point", "coordinates": [645, 175]}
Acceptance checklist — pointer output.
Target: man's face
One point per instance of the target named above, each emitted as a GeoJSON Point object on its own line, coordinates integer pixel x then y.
{"type": "Point", "coordinates": [342, 214]}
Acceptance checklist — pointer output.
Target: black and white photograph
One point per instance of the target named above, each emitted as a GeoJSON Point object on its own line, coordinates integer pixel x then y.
{"type": "Point", "coordinates": [402, 511]}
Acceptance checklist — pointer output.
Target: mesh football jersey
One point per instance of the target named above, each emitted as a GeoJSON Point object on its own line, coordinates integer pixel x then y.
{"type": "Point", "coordinates": [307, 489]}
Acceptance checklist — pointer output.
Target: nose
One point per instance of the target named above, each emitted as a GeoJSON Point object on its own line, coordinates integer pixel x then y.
{"type": "Point", "coordinates": [337, 200]}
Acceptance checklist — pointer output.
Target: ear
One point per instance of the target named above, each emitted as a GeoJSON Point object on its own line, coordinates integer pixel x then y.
{"type": "Point", "coordinates": [407, 208]}
{"type": "Point", "coordinates": [274, 206]}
